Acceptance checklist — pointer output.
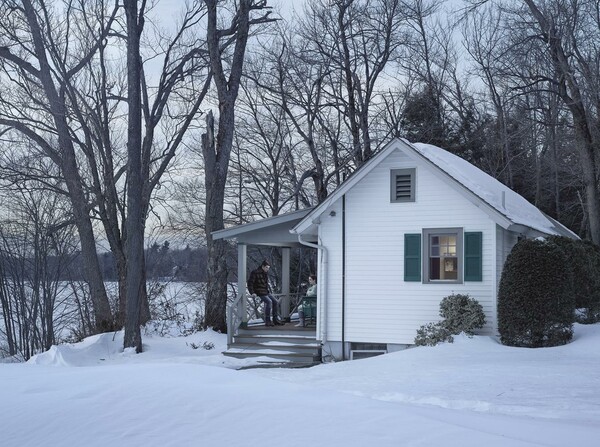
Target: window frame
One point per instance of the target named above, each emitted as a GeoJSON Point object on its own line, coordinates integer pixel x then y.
{"type": "Point", "coordinates": [394, 173]}
{"type": "Point", "coordinates": [426, 247]}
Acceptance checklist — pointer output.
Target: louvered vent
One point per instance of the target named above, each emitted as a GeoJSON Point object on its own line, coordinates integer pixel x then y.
{"type": "Point", "coordinates": [403, 187]}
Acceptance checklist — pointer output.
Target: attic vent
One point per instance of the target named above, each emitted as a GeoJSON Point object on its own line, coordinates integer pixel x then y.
{"type": "Point", "coordinates": [403, 185]}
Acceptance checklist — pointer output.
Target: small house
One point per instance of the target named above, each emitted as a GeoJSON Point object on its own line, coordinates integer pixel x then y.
{"type": "Point", "coordinates": [411, 226]}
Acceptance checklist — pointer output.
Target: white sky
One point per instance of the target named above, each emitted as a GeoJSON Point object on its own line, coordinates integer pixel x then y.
{"type": "Point", "coordinates": [474, 392]}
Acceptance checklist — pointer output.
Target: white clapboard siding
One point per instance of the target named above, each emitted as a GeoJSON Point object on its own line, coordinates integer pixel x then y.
{"type": "Point", "coordinates": [379, 306]}
{"type": "Point", "coordinates": [330, 234]}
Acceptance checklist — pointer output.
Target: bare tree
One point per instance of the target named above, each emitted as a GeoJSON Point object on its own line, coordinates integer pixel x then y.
{"type": "Point", "coordinates": [91, 96]}
{"type": "Point", "coordinates": [482, 34]}
{"type": "Point", "coordinates": [217, 148]}
{"type": "Point", "coordinates": [358, 39]}
{"type": "Point", "coordinates": [552, 47]}
{"type": "Point", "coordinates": [29, 59]}
{"type": "Point", "coordinates": [263, 157]}
{"type": "Point", "coordinates": [36, 250]}
{"type": "Point", "coordinates": [561, 26]}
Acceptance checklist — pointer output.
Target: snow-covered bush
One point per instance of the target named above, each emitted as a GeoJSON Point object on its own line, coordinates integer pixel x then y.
{"type": "Point", "coordinates": [461, 313]}
{"type": "Point", "coordinates": [535, 300]}
{"type": "Point", "coordinates": [431, 334]}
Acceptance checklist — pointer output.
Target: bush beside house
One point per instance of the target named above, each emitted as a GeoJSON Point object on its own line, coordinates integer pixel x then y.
{"type": "Point", "coordinates": [583, 259]}
{"type": "Point", "coordinates": [536, 302]}
{"type": "Point", "coordinates": [461, 313]}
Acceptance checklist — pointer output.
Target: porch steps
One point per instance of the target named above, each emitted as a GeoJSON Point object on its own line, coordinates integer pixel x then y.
{"type": "Point", "coordinates": [276, 347]}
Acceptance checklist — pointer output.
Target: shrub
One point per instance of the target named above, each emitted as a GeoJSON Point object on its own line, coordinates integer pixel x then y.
{"type": "Point", "coordinates": [583, 259]}
{"type": "Point", "coordinates": [431, 334]}
{"type": "Point", "coordinates": [592, 312]}
{"type": "Point", "coordinates": [461, 313]}
{"type": "Point", "coordinates": [535, 303]}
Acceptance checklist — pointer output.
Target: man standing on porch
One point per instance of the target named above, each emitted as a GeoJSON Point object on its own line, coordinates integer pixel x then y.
{"type": "Point", "coordinates": [258, 285]}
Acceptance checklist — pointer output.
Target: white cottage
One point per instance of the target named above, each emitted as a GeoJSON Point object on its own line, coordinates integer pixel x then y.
{"type": "Point", "coordinates": [413, 225]}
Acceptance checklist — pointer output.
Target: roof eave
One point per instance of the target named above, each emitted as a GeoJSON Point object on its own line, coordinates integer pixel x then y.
{"type": "Point", "coordinates": [244, 231]}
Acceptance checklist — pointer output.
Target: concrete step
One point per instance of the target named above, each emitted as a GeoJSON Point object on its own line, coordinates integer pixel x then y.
{"type": "Point", "coordinates": [277, 346]}
{"type": "Point", "coordinates": [311, 349]}
{"type": "Point", "coordinates": [275, 363]}
{"type": "Point", "coordinates": [277, 338]}
{"type": "Point", "coordinates": [272, 356]}
{"type": "Point", "coordinates": [278, 331]}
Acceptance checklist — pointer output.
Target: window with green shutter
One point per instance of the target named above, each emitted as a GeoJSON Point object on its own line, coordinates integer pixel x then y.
{"type": "Point", "coordinates": [442, 260]}
{"type": "Point", "coordinates": [473, 256]}
{"type": "Point", "coordinates": [412, 257]}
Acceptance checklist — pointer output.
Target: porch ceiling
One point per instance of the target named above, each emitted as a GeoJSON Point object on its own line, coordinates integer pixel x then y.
{"type": "Point", "coordinates": [272, 231]}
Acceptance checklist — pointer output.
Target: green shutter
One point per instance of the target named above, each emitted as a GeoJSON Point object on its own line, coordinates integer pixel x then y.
{"type": "Point", "coordinates": [473, 256]}
{"type": "Point", "coordinates": [412, 257]}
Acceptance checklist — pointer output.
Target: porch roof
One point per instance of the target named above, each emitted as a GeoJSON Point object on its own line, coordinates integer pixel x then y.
{"type": "Point", "coordinates": [272, 231]}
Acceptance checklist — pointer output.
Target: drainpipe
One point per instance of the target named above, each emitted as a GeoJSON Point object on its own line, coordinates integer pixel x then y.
{"type": "Point", "coordinates": [320, 283]}
{"type": "Point", "coordinates": [344, 277]}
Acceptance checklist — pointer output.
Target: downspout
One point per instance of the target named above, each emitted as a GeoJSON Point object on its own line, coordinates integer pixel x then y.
{"type": "Point", "coordinates": [344, 277]}
{"type": "Point", "coordinates": [320, 284]}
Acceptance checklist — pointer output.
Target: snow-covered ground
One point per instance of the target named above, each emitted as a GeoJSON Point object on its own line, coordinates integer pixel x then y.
{"type": "Point", "coordinates": [474, 392]}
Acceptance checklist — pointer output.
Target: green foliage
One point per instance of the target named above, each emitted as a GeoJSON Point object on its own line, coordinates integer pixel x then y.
{"type": "Point", "coordinates": [431, 334]}
{"type": "Point", "coordinates": [535, 302]}
{"type": "Point", "coordinates": [461, 313]}
{"type": "Point", "coordinates": [583, 259]}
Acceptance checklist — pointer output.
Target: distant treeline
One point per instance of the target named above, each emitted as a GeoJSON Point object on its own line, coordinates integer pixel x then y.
{"type": "Point", "coordinates": [162, 263]}
{"type": "Point", "coordinates": [187, 264]}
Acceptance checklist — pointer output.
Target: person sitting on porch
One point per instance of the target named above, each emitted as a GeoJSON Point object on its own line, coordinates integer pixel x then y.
{"type": "Point", "coordinates": [310, 293]}
{"type": "Point", "coordinates": [258, 285]}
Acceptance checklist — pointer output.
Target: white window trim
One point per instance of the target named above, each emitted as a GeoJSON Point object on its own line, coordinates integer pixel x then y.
{"type": "Point", "coordinates": [413, 184]}
{"type": "Point", "coordinates": [427, 232]}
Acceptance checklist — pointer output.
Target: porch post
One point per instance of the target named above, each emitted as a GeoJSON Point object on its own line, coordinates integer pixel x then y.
{"type": "Point", "coordinates": [242, 251]}
{"type": "Point", "coordinates": [285, 283]}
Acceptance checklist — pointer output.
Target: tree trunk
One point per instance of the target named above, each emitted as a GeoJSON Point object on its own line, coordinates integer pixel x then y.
{"type": "Point", "coordinates": [217, 152]}
{"type": "Point", "coordinates": [216, 289]}
{"type": "Point", "coordinates": [134, 247]}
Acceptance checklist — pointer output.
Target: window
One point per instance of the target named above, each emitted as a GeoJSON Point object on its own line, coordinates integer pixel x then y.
{"type": "Point", "coordinates": [402, 185]}
{"type": "Point", "coordinates": [449, 255]}
{"type": "Point", "coordinates": [366, 350]}
{"type": "Point", "coordinates": [443, 260]}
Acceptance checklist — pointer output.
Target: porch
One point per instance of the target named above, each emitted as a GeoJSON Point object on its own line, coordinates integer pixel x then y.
{"type": "Point", "coordinates": [247, 336]}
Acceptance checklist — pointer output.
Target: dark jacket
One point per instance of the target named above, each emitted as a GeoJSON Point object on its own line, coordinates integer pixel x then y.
{"type": "Point", "coordinates": [258, 282]}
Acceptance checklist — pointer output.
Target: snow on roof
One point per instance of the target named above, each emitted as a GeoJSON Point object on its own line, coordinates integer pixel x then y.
{"type": "Point", "coordinates": [514, 206]}
{"type": "Point", "coordinates": [500, 200]}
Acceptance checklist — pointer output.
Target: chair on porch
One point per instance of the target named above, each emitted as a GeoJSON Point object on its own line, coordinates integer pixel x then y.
{"type": "Point", "coordinates": [309, 306]}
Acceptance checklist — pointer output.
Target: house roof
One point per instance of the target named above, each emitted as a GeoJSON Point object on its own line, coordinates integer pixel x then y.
{"type": "Point", "coordinates": [509, 209]}
{"type": "Point", "coordinates": [272, 231]}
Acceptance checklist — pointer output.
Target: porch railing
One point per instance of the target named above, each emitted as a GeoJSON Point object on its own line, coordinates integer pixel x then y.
{"type": "Point", "coordinates": [235, 317]}
{"type": "Point", "coordinates": [235, 311]}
